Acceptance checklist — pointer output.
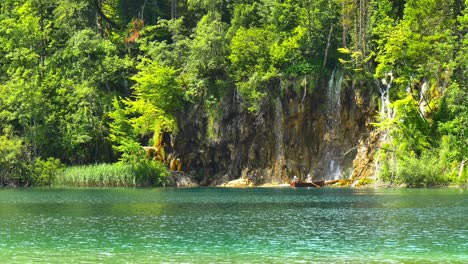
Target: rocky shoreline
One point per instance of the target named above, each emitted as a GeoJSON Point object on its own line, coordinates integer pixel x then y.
{"type": "Point", "coordinates": [182, 180]}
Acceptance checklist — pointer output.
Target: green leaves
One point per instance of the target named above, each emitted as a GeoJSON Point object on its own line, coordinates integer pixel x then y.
{"type": "Point", "coordinates": [62, 62]}
{"type": "Point", "coordinates": [250, 51]}
{"type": "Point", "coordinates": [13, 160]}
{"type": "Point", "coordinates": [157, 96]}
{"type": "Point", "coordinates": [412, 131]}
{"type": "Point", "coordinates": [419, 49]}
{"type": "Point", "coordinates": [420, 45]}
{"type": "Point", "coordinates": [123, 136]}
{"type": "Point", "coordinates": [454, 122]}
{"type": "Point", "coordinates": [252, 63]}
{"type": "Point", "coordinates": [44, 172]}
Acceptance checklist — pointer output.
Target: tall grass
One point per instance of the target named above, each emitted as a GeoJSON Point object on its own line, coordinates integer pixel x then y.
{"type": "Point", "coordinates": [113, 175]}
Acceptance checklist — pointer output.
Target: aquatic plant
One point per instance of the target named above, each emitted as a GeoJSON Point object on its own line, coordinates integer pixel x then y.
{"type": "Point", "coordinates": [147, 173]}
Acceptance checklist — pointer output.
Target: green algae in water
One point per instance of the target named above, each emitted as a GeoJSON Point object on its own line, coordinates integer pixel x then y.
{"type": "Point", "coordinates": [233, 225]}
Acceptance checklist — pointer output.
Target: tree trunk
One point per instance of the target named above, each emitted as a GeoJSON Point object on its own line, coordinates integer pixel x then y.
{"type": "Point", "coordinates": [305, 89]}
{"type": "Point", "coordinates": [460, 171]}
{"type": "Point", "coordinates": [328, 46]}
{"type": "Point", "coordinates": [43, 41]}
{"type": "Point", "coordinates": [173, 9]}
{"type": "Point", "coordinates": [356, 26]}
{"type": "Point", "coordinates": [344, 24]}
{"type": "Point", "coordinates": [143, 10]}
{"type": "Point", "coordinates": [309, 22]}
{"type": "Point", "coordinates": [101, 14]}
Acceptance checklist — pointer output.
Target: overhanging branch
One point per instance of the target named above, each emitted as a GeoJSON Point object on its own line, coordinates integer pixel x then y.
{"type": "Point", "coordinates": [103, 16]}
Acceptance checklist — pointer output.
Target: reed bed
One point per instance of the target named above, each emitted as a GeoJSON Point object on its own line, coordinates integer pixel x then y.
{"type": "Point", "coordinates": [111, 175]}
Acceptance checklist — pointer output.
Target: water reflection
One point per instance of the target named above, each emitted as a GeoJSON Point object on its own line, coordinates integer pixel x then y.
{"type": "Point", "coordinates": [226, 225]}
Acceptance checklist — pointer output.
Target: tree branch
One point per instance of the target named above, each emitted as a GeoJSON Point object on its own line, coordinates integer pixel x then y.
{"type": "Point", "coordinates": [103, 16]}
{"type": "Point", "coordinates": [328, 46]}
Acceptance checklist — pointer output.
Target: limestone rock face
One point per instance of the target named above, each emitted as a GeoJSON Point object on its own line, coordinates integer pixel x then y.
{"type": "Point", "coordinates": [364, 163]}
{"type": "Point", "coordinates": [238, 183]}
{"type": "Point", "coordinates": [320, 133]}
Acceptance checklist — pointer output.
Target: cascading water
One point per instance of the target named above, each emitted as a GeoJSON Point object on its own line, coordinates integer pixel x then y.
{"type": "Point", "coordinates": [386, 112]}
{"type": "Point", "coordinates": [278, 132]}
{"type": "Point", "coordinates": [334, 99]}
{"type": "Point", "coordinates": [278, 129]}
{"type": "Point", "coordinates": [333, 121]}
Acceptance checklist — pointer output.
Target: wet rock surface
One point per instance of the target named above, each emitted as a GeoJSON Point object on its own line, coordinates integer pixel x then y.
{"type": "Point", "coordinates": [181, 179]}
{"type": "Point", "coordinates": [320, 133]}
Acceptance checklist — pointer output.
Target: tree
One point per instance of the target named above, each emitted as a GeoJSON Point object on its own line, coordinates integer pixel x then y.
{"type": "Point", "coordinates": [156, 96]}
{"type": "Point", "coordinates": [417, 51]}
{"type": "Point", "coordinates": [13, 160]}
{"type": "Point", "coordinates": [251, 63]}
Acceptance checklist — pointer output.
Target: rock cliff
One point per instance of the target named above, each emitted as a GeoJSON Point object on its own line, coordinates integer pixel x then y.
{"type": "Point", "coordinates": [296, 132]}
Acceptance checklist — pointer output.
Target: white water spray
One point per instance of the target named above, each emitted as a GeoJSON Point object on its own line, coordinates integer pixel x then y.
{"type": "Point", "coordinates": [333, 122]}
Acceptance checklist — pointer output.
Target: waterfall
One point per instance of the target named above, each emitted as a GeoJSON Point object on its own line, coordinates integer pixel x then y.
{"type": "Point", "coordinates": [332, 153]}
{"type": "Point", "coordinates": [334, 99]}
{"type": "Point", "coordinates": [278, 128]}
{"type": "Point", "coordinates": [386, 112]}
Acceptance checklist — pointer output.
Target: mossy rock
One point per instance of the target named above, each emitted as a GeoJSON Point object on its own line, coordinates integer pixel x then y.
{"type": "Point", "coordinates": [365, 181]}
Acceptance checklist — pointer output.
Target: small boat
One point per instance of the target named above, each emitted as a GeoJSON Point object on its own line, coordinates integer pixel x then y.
{"type": "Point", "coordinates": [317, 184]}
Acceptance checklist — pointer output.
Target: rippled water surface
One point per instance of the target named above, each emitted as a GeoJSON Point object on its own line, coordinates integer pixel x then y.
{"type": "Point", "coordinates": [216, 225]}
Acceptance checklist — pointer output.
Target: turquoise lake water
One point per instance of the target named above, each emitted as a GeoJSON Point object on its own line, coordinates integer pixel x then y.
{"type": "Point", "coordinates": [217, 225]}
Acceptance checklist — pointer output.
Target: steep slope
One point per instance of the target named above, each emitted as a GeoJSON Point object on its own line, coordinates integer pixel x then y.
{"type": "Point", "coordinates": [294, 134]}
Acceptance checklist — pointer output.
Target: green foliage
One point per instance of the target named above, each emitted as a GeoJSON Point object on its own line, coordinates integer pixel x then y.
{"type": "Point", "coordinates": [124, 136]}
{"type": "Point", "coordinates": [424, 171]}
{"type": "Point", "coordinates": [434, 167]}
{"type": "Point", "coordinates": [105, 175]}
{"type": "Point", "coordinates": [44, 172]}
{"type": "Point", "coordinates": [425, 110]}
{"type": "Point", "coordinates": [365, 181]}
{"type": "Point", "coordinates": [246, 16]}
{"type": "Point", "coordinates": [454, 121]}
{"type": "Point", "coordinates": [205, 77]}
{"type": "Point", "coordinates": [250, 53]}
{"type": "Point", "coordinates": [288, 40]}
{"type": "Point", "coordinates": [411, 131]}
{"type": "Point", "coordinates": [165, 42]}
{"type": "Point", "coordinates": [453, 160]}
{"type": "Point", "coordinates": [209, 49]}
{"type": "Point", "coordinates": [13, 160]}
{"type": "Point", "coordinates": [62, 62]}
{"type": "Point", "coordinates": [252, 63]}
{"type": "Point", "coordinates": [157, 97]}
{"type": "Point", "coordinates": [68, 69]}
{"type": "Point", "coordinates": [413, 156]}
{"type": "Point", "coordinates": [81, 76]}
{"type": "Point", "coordinates": [420, 45]}
{"type": "Point", "coordinates": [148, 173]}
{"type": "Point", "coordinates": [157, 92]}
{"type": "Point", "coordinates": [156, 85]}
{"type": "Point", "coordinates": [16, 168]}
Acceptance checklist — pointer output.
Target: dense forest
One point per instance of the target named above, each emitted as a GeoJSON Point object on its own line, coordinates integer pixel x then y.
{"type": "Point", "coordinates": [92, 81]}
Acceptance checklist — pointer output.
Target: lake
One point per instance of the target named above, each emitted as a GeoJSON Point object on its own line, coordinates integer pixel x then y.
{"type": "Point", "coordinates": [220, 225]}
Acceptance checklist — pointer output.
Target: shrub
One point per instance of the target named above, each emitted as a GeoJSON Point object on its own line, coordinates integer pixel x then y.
{"type": "Point", "coordinates": [144, 173]}
{"type": "Point", "coordinates": [150, 173]}
{"type": "Point", "coordinates": [44, 172]}
{"type": "Point", "coordinates": [365, 181]}
{"type": "Point", "coordinates": [14, 166]}
{"type": "Point", "coordinates": [423, 172]}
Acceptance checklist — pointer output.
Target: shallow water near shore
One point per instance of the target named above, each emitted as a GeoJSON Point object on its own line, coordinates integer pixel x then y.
{"type": "Point", "coordinates": [220, 225]}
